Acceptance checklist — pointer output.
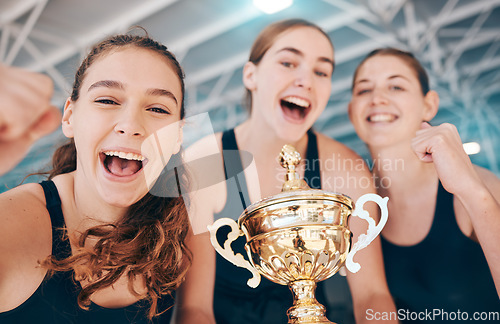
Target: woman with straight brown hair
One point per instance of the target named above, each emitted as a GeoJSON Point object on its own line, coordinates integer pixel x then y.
{"type": "Point", "coordinates": [288, 78]}
{"type": "Point", "coordinates": [440, 244]}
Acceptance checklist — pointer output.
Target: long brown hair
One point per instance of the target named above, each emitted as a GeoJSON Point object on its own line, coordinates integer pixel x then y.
{"type": "Point", "coordinates": [148, 243]}
{"type": "Point", "coordinates": [267, 38]}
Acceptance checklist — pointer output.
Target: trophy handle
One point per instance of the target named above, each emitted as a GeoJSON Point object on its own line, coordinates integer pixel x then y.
{"type": "Point", "coordinates": [373, 230]}
{"type": "Point", "coordinates": [227, 253]}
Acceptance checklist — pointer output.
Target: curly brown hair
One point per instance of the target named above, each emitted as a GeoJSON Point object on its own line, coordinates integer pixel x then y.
{"type": "Point", "coordinates": [148, 242]}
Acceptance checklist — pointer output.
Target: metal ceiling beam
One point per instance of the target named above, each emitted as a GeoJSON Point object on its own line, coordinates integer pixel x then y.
{"type": "Point", "coordinates": [394, 9]}
{"type": "Point", "coordinates": [59, 80]}
{"type": "Point", "coordinates": [361, 49]}
{"type": "Point", "coordinates": [466, 11]}
{"type": "Point", "coordinates": [26, 29]}
{"type": "Point", "coordinates": [215, 70]}
{"type": "Point", "coordinates": [18, 9]}
{"type": "Point", "coordinates": [482, 66]}
{"type": "Point", "coordinates": [457, 32]}
{"type": "Point", "coordinates": [41, 36]}
{"type": "Point", "coordinates": [119, 23]}
{"type": "Point", "coordinates": [227, 98]}
{"type": "Point", "coordinates": [411, 25]}
{"type": "Point", "coordinates": [466, 41]}
{"type": "Point", "coordinates": [436, 23]}
{"type": "Point", "coordinates": [238, 60]}
{"type": "Point", "coordinates": [482, 38]}
{"type": "Point", "coordinates": [435, 55]}
{"type": "Point", "coordinates": [382, 38]}
{"type": "Point", "coordinates": [186, 42]}
{"type": "Point", "coordinates": [488, 56]}
{"type": "Point", "coordinates": [4, 41]}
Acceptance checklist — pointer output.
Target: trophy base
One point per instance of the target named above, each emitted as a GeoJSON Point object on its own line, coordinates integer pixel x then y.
{"type": "Point", "coordinates": [306, 309]}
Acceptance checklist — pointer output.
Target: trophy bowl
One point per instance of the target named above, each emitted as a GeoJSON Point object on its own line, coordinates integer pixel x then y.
{"type": "Point", "coordinates": [299, 237]}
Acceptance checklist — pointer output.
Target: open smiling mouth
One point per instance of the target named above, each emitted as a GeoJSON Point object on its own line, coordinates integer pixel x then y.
{"type": "Point", "coordinates": [382, 118]}
{"type": "Point", "coordinates": [122, 164]}
{"type": "Point", "coordinates": [295, 108]}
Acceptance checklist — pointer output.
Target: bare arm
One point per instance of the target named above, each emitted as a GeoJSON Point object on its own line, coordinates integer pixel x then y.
{"type": "Point", "coordinates": [195, 296]}
{"type": "Point", "coordinates": [477, 190]}
{"type": "Point", "coordinates": [25, 238]}
{"type": "Point", "coordinates": [369, 290]}
{"type": "Point", "coordinates": [481, 202]}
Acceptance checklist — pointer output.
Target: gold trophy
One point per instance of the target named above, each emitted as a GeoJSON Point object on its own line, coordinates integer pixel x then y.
{"type": "Point", "coordinates": [299, 237]}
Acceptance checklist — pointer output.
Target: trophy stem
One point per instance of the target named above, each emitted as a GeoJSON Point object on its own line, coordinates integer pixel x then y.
{"type": "Point", "coordinates": [306, 309]}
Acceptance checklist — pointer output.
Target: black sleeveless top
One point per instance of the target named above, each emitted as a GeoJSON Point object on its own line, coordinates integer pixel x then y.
{"type": "Point", "coordinates": [55, 300]}
{"type": "Point", "coordinates": [446, 271]}
{"type": "Point", "coordinates": [234, 301]}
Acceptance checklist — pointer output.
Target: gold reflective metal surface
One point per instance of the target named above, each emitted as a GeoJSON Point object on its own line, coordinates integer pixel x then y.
{"type": "Point", "coordinates": [298, 238]}
{"type": "Point", "coordinates": [295, 238]}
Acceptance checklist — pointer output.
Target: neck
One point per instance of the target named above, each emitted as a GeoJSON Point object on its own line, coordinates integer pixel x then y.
{"type": "Point", "coordinates": [263, 142]}
{"type": "Point", "coordinates": [88, 208]}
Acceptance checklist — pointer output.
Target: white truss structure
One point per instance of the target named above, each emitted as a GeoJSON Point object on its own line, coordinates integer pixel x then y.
{"type": "Point", "coordinates": [458, 40]}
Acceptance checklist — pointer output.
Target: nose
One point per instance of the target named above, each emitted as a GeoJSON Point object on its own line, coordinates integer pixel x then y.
{"type": "Point", "coordinates": [130, 123]}
{"type": "Point", "coordinates": [303, 78]}
{"type": "Point", "coordinates": [379, 97]}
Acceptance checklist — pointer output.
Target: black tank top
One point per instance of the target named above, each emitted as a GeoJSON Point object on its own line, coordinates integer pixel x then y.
{"type": "Point", "coordinates": [55, 300]}
{"type": "Point", "coordinates": [446, 271]}
{"type": "Point", "coordinates": [234, 301]}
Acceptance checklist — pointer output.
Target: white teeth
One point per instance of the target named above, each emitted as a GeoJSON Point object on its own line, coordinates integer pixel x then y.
{"type": "Point", "coordinates": [297, 101]}
{"type": "Point", "coordinates": [125, 155]}
{"type": "Point", "coordinates": [382, 118]}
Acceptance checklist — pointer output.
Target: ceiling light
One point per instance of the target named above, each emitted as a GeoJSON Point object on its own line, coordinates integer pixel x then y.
{"type": "Point", "coordinates": [272, 6]}
{"type": "Point", "coordinates": [472, 148]}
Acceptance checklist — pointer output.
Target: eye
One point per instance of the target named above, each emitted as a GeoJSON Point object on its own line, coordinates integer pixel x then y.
{"type": "Point", "coordinates": [106, 101]}
{"type": "Point", "coordinates": [397, 88]}
{"type": "Point", "coordinates": [362, 91]}
{"type": "Point", "coordinates": [159, 110]}
{"type": "Point", "coordinates": [287, 64]}
{"type": "Point", "coordinates": [321, 74]}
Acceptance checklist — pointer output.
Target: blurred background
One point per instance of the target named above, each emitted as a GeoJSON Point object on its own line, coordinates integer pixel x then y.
{"type": "Point", "coordinates": [457, 40]}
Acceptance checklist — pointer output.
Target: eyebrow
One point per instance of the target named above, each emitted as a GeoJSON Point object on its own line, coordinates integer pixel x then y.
{"type": "Point", "coordinates": [106, 84]}
{"type": "Point", "coordinates": [298, 52]}
{"type": "Point", "coordinates": [389, 78]}
{"type": "Point", "coordinates": [162, 92]}
{"type": "Point", "coordinates": [118, 85]}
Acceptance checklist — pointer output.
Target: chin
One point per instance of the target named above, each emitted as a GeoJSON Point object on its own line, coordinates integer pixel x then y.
{"type": "Point", "coordinates": [122, 202]}
{"type": "Point", "coordinates": [292, 133]}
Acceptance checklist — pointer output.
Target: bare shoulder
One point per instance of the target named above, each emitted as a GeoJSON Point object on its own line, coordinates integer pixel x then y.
{"type": "Point", "coordinates": [330, 146]}
{"type": "Point", "coordinates": [25, 238]}
{"type": "Point", "coordinates": [208, 145]}
{"type": "Point", "coordinates": [26, 199]}
{"type": "Point", "coordinates": [342, 169]}
{"type": "Point", "coordinates": [25, 219]}
{"type": "Point", "coordinates": [205, 163]}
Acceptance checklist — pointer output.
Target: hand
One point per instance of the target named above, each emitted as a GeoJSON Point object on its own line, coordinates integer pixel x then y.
{"type": "Point", "coordinates": [26, 113]}
{"type": "Point", "coordinates": [442, 146]}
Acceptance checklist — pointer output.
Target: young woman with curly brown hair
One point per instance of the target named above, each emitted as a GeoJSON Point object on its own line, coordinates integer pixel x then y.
{"type": "Point", "coordinates": [92, 244]}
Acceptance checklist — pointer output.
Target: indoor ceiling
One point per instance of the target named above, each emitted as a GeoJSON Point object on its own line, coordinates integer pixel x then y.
{"type": "Point", "coordinates": [457, 40]}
